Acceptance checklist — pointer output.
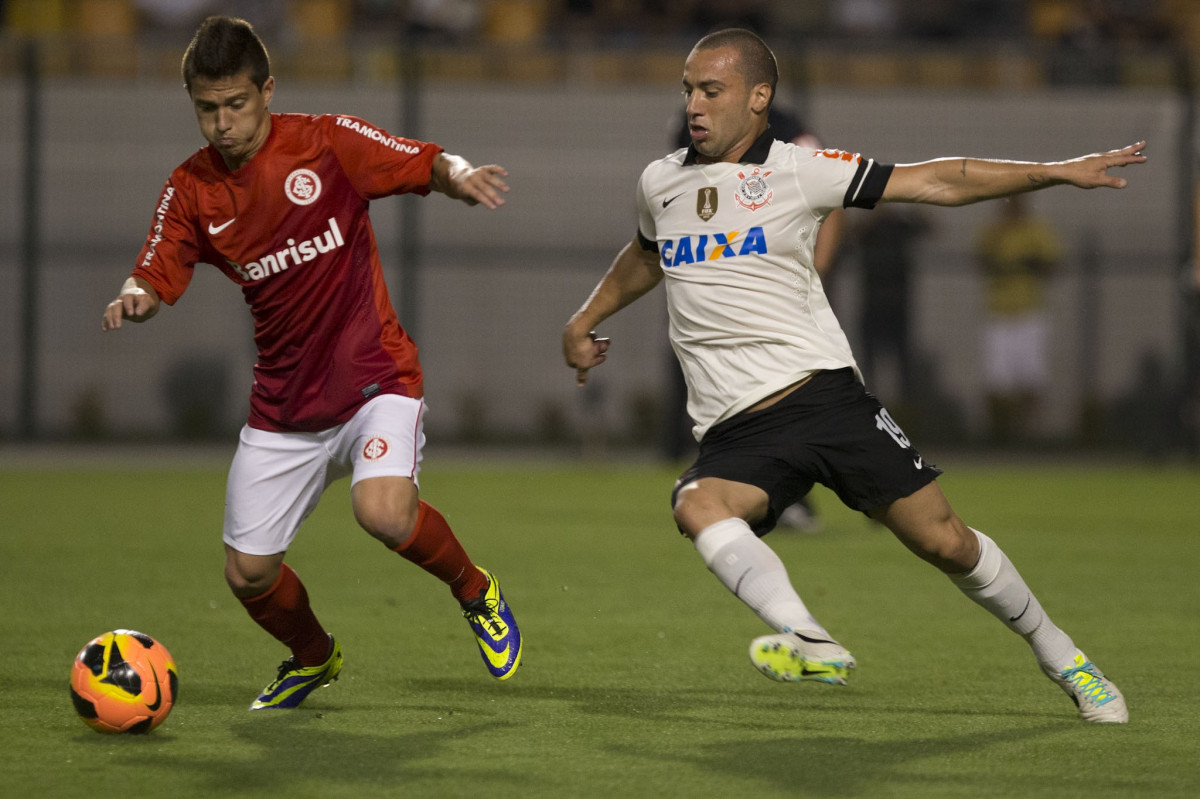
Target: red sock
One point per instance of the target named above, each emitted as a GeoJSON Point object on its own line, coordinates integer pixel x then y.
{"type": "Point", "coordinates": [284, 612]}
{"type": "Point", "coordinates": [433, 547]}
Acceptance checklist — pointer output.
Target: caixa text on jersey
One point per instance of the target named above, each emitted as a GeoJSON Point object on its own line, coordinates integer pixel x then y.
{"type": "Point", "coordinates": [302, 252]}
{"type": "Point", "coordinates": [711, 246]}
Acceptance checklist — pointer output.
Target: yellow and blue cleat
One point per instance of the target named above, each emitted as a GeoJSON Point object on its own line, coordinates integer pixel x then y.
{"type": "Point", "coordinates": [794, 656]}
{"type": "Point", "coordinates": [296, 682]}
{"type": "Point", "coordinates": [1094, 694]}
{"type": "Point", "coordinates": [495, 629]}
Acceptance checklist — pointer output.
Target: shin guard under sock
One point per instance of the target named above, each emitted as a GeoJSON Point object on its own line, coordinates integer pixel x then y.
{"type": "Point", "coordinates": [434, 548]}
{"type": "Point", "coordinates": [755, 574]}
{"type": "Point", "coordinates": [284, 612]}
{"type": "Point", "coordinates": [995, 585]}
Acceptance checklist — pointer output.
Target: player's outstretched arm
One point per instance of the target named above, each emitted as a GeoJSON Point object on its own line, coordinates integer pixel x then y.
{"type": "Point", "coordinates": [960, 181]}
{"type": "Point", "coordinates": [137, 302]}
{"type": "Point", "coordinates": [455, 177]}
{"type": "Point", "coordinates": [633, 273]}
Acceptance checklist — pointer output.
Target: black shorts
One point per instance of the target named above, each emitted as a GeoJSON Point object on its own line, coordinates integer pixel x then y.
{"type": "Point", "coordinates": [830, 431]}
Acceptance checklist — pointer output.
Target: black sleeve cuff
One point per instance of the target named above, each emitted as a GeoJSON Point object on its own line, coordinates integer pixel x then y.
{"type": "Point", "coordinates": [645, 243]}
{"type": "Point", "coordinates": [868, 184]}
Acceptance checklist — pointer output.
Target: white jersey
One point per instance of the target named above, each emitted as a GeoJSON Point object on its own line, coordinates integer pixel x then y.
{"type": "Point", "coordinates": [748, 314]}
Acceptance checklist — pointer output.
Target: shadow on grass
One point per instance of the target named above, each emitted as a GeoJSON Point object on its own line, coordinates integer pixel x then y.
{"type": "Point", "coordinates": [772, 707]}
{"type": "Point", "coordinates": [851, 767]}
{"type": "Point", "coordinates": [277, 754]}
{"type": "Point", "coordinates": [801, 747]}
{"type": "Point", "coordinates": [738, 733]}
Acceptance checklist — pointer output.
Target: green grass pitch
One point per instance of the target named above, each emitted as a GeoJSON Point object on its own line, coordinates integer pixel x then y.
{"type": "Point", "coordinates": [635, 679]}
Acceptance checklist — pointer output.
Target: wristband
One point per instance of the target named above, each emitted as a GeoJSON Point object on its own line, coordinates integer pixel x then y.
{"type": "Point", "coordinates": [131, 287]}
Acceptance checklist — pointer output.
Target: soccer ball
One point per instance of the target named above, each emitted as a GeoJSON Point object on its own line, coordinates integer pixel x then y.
{"type": "Point", "coordinates": [124, 681]}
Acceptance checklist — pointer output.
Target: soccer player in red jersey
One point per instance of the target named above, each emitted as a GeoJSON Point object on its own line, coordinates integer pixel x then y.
{"type": "Point", "coordinates": [279, 203]}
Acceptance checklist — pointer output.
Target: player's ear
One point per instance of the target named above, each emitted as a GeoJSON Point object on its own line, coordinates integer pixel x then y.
{"type": "Point", "coordinates": [760, 97]}
{"type": "Point", "coordinates": [268, 89]}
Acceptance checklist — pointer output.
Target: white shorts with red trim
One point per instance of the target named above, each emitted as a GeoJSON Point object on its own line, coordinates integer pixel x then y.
{"type": "Point", "coordinates": [276, 479]}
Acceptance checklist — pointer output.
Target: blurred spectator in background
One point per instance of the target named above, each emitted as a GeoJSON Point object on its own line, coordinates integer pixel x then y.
{"type": "Point", "coordinates": [626, 21]}
{"type": "Point", "coordinates": [1089, 35]}
{"type": "Point", "coordinates": [1190, 410]}
{"type": "Point", "coordinates": [1085, 51]}
{"type": "Point", "coordinates": [865, 17]}
{"type": "Point", "coordinates": [174, 15]}
{"type": "Point", "coordinates": [445, 20]}
{"type": "Point", "coordinates": [949, 20]}
{"type": "Point", "coordinates": [885, 242]}
{"type": "Point", "coordinates": [710, 14]}
{"type": "Point", "coordinates": [380, 16]}
{"type": "Point", "coordinates": [169, 18]}
{"type": "Point", "coordinates": [1018, 253]}
{"type": "Point", "coordinates": [929, 19]}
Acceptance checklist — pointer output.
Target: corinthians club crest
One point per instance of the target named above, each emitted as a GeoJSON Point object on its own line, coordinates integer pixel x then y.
{"type": "Point", "coordinates": [753, 192]}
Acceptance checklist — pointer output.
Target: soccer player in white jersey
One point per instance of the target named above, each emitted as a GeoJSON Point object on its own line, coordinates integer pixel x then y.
{"type": "Point", "coordinates": [774, 391]}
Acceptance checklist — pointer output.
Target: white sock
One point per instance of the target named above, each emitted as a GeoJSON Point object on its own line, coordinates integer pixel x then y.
{"type": "Point", "coordinates": [995, 585]}
{"type": "Point", "coordinates": [755, 574]}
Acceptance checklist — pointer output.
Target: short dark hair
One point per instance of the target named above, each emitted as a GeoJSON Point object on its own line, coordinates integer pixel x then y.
{"type": "Point", "coordinates": [224, 47]}
{"type": "Point", "coordinates": [758, 62]}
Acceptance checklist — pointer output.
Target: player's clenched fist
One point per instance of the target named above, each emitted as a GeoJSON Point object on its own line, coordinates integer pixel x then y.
{"type": "Point", "coordinates": [583, 351]}
{"type": "Point", "coordinates": [135, 303]}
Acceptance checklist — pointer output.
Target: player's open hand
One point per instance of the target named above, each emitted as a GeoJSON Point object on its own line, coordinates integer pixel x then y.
{"type": "Point", "coordinates": [1091, 171]}
{"type": "Point", "coordinates": [583, 352]}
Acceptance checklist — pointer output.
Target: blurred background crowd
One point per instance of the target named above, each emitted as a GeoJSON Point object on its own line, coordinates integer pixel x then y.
{"type": "Point", "coordinates": [1078, 22]}
{"type": "Point", "coordinates": [1088, 29]}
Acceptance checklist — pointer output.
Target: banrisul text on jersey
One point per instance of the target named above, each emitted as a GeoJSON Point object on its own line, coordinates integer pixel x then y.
{"type": "Point", "coordinates": [274, 263]}
{"type": "Point", "coordinates": [712, 246]}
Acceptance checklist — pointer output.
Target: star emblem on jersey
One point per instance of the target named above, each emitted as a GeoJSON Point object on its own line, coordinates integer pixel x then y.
{"type": "Point", "coordinates": [302, 186]}
{"type": "Point", "coordinates": [753, 192]}
{"type": "Point", "coordinates": [706, 203]}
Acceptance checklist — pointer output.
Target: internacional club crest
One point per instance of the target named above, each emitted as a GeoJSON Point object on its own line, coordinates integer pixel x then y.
{"type": "Point", "coordinates": [302, 186]}
{"type": "Point", "coordinates": [753, 192]}
{"type": "Point", "coordinates": [375, 448]}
